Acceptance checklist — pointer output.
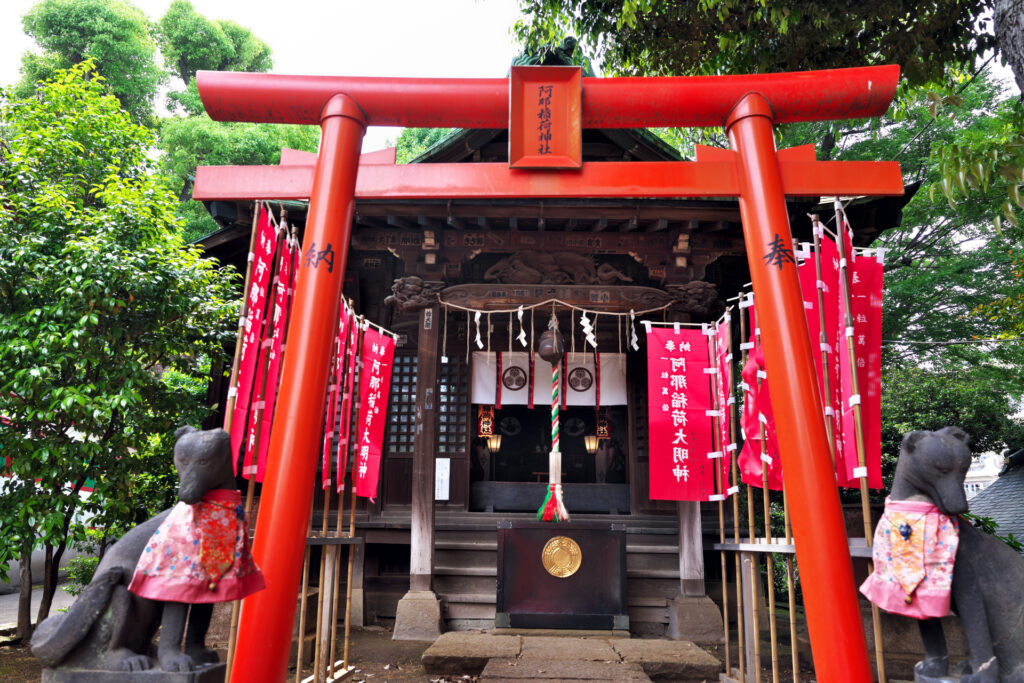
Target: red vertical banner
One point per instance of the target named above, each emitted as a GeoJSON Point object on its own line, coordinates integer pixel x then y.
{"type": "Point", "coordinates": [333, 395]}
{"type": "Point", "coordinates": [807, 272]}
{"type": "Point", "coordinates": [835, 342]}
{"type": "Point", "coordinates": [756, 457]}
{"type": "Point", "coordinates": [726, 399]}
{"type": "Point", "coordinates": [282, 290]}
{"type": "Point", "coordinates": [376, 361]}
{"type": "Point", "coordinates": [865, 282]}
{"type": "Point", "coordinates": [256, 301]}
{"type": "Point", "coordinates": [679, 415]}
{"type": "Point", "coordinates": [351, 363]}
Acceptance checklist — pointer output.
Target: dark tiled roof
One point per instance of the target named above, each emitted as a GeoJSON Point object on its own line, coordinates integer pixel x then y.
{"type": "Point", "coordinates": [1003, 501]}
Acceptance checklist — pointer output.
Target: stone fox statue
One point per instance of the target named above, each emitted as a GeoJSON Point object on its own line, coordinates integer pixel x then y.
{"type": "Point", "coordinates": [191, 555]}
{"type": "Point", "coordinates": [927, 557]}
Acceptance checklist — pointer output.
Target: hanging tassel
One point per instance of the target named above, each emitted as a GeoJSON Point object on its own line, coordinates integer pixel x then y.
{"type": "Point", "coordinates": [548, 508]}
{"type": "Point", "coordinates": [562, 514]}
{"type": "Point", "coordinates": [553, 508]}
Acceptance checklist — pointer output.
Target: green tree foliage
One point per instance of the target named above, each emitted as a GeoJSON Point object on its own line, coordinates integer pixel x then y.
{"type": "Point", "coordinates": [190, 42]}
{"type": "Point", "coordinates": [113, 32]}
{"type": "Point", "coordinates": [923, 398]}
{"type": "Point", "coordinates": [943, 267]}
{"type": "Point", "coordinates": [198, 140]}
{"type": "Point", "coordinates": [934, 43]}
{"type": "Point", "coordinates": [657, 37]}
{"type": "Point", "coordinates": [413, 142]}
{"type": "Point", "coordinates": [99, 301]}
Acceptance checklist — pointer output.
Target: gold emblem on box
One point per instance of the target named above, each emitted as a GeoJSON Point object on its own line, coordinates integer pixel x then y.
{"type": "Point", "coordinates": [561, 557]}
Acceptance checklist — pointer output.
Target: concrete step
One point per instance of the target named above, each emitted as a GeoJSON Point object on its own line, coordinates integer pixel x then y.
{"type": "Point", "coordinates": [549, 657]}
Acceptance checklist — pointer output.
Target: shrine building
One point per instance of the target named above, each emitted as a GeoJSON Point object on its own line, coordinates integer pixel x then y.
{"type": "Point", "coordinates": [450, 276]}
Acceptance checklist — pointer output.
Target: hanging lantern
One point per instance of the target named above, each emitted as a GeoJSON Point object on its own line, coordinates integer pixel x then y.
{"type": "Point", "coordinates": [591, 442]}
{"type": "Point", "coordinates": [604, 424]}
{"type": "Point", "coordinates": [485, 421]}
{"type": "Point", "coordinates": [494, 443]}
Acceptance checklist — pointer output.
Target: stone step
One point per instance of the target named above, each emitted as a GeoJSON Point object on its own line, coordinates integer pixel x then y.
{"type": "Point", "coordinates": [502, 670]}
{"type": "Point", "coordinates": [550, 657]}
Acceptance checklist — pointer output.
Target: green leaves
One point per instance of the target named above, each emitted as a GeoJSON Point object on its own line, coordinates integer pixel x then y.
{"type": "Point", "coordinates": [190, 42]}
{"type": "Point", "coordinates": [113, 32]}
{"type": "Point", "coordinates": [655, 37]}
{"type": "Point", "coordinates": [99, 297]}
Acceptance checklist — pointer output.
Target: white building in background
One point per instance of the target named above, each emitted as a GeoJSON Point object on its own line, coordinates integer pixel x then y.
{"type": "Point", "coordinates": [984, 470]}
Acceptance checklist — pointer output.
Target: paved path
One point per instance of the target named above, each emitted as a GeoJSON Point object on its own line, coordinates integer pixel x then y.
{"type": "Point", "coordinates": [9, 606]}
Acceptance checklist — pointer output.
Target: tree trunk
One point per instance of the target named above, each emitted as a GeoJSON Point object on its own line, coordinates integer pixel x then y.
{"type": "Point", "coordinates": [1008, 18]}
{"type": "Point", "coordinates": [49, 583]}
{"type": "Point", "coordinates": [24, 632]}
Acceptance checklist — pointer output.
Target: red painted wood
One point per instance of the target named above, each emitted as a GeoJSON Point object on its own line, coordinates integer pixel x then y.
{"type": "Point", "coordinates": [596, 179]}
{"type": "Point", "coordinates": [830, 595]}
{"type": "Point", "coordinates": [607, 102]}
{"type": "Point", "coordinates": [545, 100]}
{"type": "Point", "coordinates": [265, 626]}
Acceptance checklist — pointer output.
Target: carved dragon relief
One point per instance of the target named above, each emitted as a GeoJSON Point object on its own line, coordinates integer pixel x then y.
{"type": "Point", "coordinates": [700, 298]}
{"type": "Point", "coordinates": [412, 293]}
{"type": "Point", "coordinates": [565, 268]}
{"type": "Point", "coordinates": [697, 297]}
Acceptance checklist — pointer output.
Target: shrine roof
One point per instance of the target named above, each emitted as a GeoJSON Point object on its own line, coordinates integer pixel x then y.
{"type": "Point", "coordinates": [1003, 500]}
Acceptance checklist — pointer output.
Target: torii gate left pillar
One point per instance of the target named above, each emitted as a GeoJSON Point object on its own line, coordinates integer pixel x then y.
{"type": "Point", "coordinates": [754, 171]}
{"type": "Point", "coordinates": [300, 403]}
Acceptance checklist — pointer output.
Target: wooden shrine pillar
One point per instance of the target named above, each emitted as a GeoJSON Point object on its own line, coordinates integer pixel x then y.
{"type": "Point", "coordinates": [419, 611]}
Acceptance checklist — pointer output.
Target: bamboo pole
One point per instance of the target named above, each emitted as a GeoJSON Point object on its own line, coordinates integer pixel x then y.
{"type": "Point", "coordinates": [348, 588]}
{"type": "Point", "coordinates": [769, 565]}
{"type": "Point", "coordinates": [319, 664]}
{"type": "Point", "coordinates": [734, 424]}
{"type": "Point", "coordinates": [229, 411]}
{"type": "Point", "coordinates": [823, 344]}
{"type": "Point", "coordinates": [790, 577]}
{"type": "Point", "coordinates": [303, 590]}
{"type": "Point", "coordinates": [720, 448]}
{"type": "Point", "coordinates": [769, 560]}
{"type": "Point", "coordinates": [755, 562]}
{"type": "Point", "coordinates": [229, 408]}
{"type": "Point", "coordinates": [858, 427]}
{"type": "Point", "coordinates": [338, 526]}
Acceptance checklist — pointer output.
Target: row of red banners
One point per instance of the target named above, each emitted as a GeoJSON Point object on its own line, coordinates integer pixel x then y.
{"type": "Point", "coordinates": [361, 352]}
{"type": "Point", "coordinates": [690, 387]}
{"type": "Point", "coordinates": [363, 355]}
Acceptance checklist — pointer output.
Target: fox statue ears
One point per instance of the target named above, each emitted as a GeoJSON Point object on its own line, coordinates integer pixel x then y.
{"type": "Point", "coordinates": [911, 440]}
{"type": "Point", "coordinates": [183, 430]}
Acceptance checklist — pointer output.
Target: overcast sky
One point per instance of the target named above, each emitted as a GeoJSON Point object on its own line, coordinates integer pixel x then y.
{"type": "Point", "coordinates": [420, 38]}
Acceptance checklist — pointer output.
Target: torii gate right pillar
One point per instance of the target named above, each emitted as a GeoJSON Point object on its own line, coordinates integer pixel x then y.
{"type": "Point", "coordinates": [833, 617]}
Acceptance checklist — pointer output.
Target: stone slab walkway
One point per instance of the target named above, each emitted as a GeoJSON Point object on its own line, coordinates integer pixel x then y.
{"type": "Point", "coordinates": [544, 656]}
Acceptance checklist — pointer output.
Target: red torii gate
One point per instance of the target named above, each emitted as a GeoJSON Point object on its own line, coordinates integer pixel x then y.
{"type": "Point", "coordinates": [753, 170]}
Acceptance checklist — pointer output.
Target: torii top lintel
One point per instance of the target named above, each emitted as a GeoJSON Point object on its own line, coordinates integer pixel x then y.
{"type": "Point", "coordinates": [672, 101]}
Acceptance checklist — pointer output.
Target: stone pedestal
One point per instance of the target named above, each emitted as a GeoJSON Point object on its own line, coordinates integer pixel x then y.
{"type": "Point", "coordinates": [418, 617]}
{"type": "Point", "coordinates": [696, 619]}
{"type": "Point", "coordinates": [211, 673]}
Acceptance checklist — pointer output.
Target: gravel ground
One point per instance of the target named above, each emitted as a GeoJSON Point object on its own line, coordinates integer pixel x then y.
{"type": "Point", "coordinates": [377, 658]}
